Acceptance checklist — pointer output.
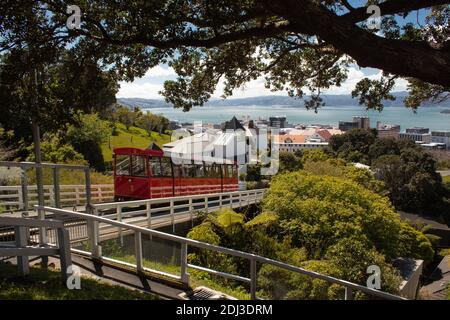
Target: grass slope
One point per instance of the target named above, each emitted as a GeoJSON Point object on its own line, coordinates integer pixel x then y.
{"type": "Point", "coordinates": [134, 137]}
{"type": "Point", "coordinates": [44, 284]}
{"type": "Point", "coordinates": [197, 278]}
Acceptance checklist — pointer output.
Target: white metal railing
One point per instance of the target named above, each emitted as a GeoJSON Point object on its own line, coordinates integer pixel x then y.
{"type": "Point", "coordinates": [22, 249]}
{"type": "Point", "coordinates": [172, 210]}
{"type": "Point", "coordinates": [12, 197]}
{"type": "Point", "coordinates": [93, 222]}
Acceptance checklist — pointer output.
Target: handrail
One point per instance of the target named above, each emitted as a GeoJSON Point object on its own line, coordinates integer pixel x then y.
{"type": "Point", "coordinates": [203, 245]}
{"type": "Point", "coordinates": [25, 164]}
{"type": "Point", "coordinates": [167, 199]}
{"type": "Point", "coordinates": [22, 250]}
{"type": "Point", "coordinates": [25, 222]}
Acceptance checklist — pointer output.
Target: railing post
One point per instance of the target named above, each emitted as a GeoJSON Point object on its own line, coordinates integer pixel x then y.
{"type": "Point", "coordinates": [231, 200]}
{"type": "Point", "coordinates": [93, 232]}
{"type": "Point", "coordinates": [51, 197]}
{"type": "Point", "coordinates": [348, 293]}
{"type": "Point", "coordinates": [87, 178]}
{"type": "Point", "coordinates": [240, 199]}
{"type": "Point", "coordinates": [172, 215]}
{"type": "Point", "coordinates": [253, 279]}
{"type": "Point", "coordinates": [220, 201]}
{"type": "Point", "coordinates": [206, 204]}
{"type": "Point", "coordinates": [138, 251]}
{"type": "Point", "coordinates": [64, 252]}
{"type": "Point", "coordinates": [24, 193]}
{"type": "Point", "coordinates": [56, 189]}
{"type": "Point", "coordinates": [99, 194]}
{"type": "Point", "coordinates": [149, 215]}
{"type": "Point", "coordinates": [119, 218]}
{"type": "Point", "coordinates": [184, 262]}
{"type": "Point", "coordinates": [21, 241]}
{"type": "Point", "coordinates": [191, 212]}
{"type": "Point", "coordinates": [77, 196]}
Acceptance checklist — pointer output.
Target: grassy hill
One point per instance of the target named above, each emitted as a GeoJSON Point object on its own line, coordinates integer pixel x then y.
{"type": "Point", "coordinates": [134, 137]}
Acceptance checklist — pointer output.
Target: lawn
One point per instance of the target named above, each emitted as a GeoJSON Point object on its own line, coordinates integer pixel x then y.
{"type": "Point", "coordinates": [134, 137]}
{"type": "Point", "coordinates": [44, 284]}
{"type": "Point", "coordinates": [446, 179]}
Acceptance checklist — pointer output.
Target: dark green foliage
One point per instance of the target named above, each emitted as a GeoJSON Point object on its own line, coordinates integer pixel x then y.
{"type": "Point", "coordinates": [353, 145]}
{"type": "Point", "coordinates": [412, 181]}
{"type": "Point", "coordinates": [66, 84]}
{"type": "Point", "coordinates": [296, 46]}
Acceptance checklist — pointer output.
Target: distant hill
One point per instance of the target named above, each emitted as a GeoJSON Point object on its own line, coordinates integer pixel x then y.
{"type": "Point", "coordinates": [143, 103]}
{"type": "Point", "coordinates": [330, 100]}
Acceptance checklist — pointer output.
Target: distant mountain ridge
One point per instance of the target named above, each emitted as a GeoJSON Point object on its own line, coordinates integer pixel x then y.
{"type": "Point", "coordinates": [330, 100]}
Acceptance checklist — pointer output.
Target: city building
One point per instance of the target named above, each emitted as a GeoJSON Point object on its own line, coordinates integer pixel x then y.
{"type": "Point", "coordinates": [388, 130]}
{"type": "Point", "coordinates": [347, 125]}
{"type": "Point", "coordinates": [363, 122]}
{"type": "Point", "coordinates": [356, 123]}
{"type": "Point", "coordinates": [442, 137]}
{"type": "Point", "coordinates": [277, 122]}
{"type": "Point", "coordinates": [299, 139]}
{"type": "Point", "coordinates": [422, 138]}
{"type": "Point", "coordinates": [418, 130]}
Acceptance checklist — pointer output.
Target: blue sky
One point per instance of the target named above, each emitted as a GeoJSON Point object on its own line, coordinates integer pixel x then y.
{"type": "Point", "coordinates": [149, 85]}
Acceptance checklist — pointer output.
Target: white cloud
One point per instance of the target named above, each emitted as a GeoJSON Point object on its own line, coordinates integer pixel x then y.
{"type": "Point", "coordinates": [254, 88]}
{"type": "Point", "coordinates": [139, 90]}
{"type": "Point", "coordinates": [159, 71]}
{"type": "Point", "coordinates": [152, 82]}
{"type": "Point", "coordinates": [355, 75]}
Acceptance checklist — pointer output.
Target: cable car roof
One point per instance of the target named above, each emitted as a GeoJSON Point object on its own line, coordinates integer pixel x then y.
{"type": "Point", "coordinates": [137, 151]}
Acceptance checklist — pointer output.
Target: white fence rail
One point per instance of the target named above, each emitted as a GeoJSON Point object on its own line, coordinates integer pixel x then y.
{"type": "Point", "coordinates": [12, 197]}
{"type": "Point", "coordinates": [94, 221]}
{"type": "Point", "coordinates": [159, 212]}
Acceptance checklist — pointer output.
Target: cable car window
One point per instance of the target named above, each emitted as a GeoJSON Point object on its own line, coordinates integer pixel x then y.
{"type": "Point", "coordinates": [225, 171]}
{"type": "Point", "coordinates": [207, 171]}
{"type": "Point", "coordinates": [138, 166]}
{"type": "Point", "coordinates": [192, 170]}
{"type": "Point", "coordinates": [166, 167]}
{"type": "Point", "coordinates": [235, 171]}
{"type": "Point", "coordinates": [215, 173]}
{"type": "Point", "coordinates": [176, 170]}
{"type": "Point", "coordinates": [155, 166]}
{"type": "Point", "coordinates": [230, 171]}
{"type": "Point", "coordinates": [122, 165]}
{"type": "Point", "coordinates": [199, 171]}
{"type": "Point", "coordinates": [184, 171]}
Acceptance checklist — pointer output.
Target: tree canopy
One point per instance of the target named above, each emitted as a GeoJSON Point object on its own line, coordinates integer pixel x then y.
{"type": "Point", "coordinates": [298, 45]}
{"type": "Point", "coordinates": [328, 224]}
{"type": "Point", "coordinates": [50, 86]}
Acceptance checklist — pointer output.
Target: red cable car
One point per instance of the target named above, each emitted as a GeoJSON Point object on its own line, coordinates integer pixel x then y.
{"type": "Point", "coordinates": [147, 173]}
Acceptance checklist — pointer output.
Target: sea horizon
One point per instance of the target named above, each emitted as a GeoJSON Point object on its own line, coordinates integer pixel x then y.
{"type": "Point", "coordinates": [429, 117]}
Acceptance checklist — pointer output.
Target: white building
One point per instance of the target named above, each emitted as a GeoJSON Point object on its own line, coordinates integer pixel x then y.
{"type": "Point", "coordinates": [235, 142]}
{"type": "Point", "coordinates": [441, 137]}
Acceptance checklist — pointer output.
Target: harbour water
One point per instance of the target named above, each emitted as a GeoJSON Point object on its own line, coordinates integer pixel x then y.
{"type": "Point", "coordinates": [430, 117]}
